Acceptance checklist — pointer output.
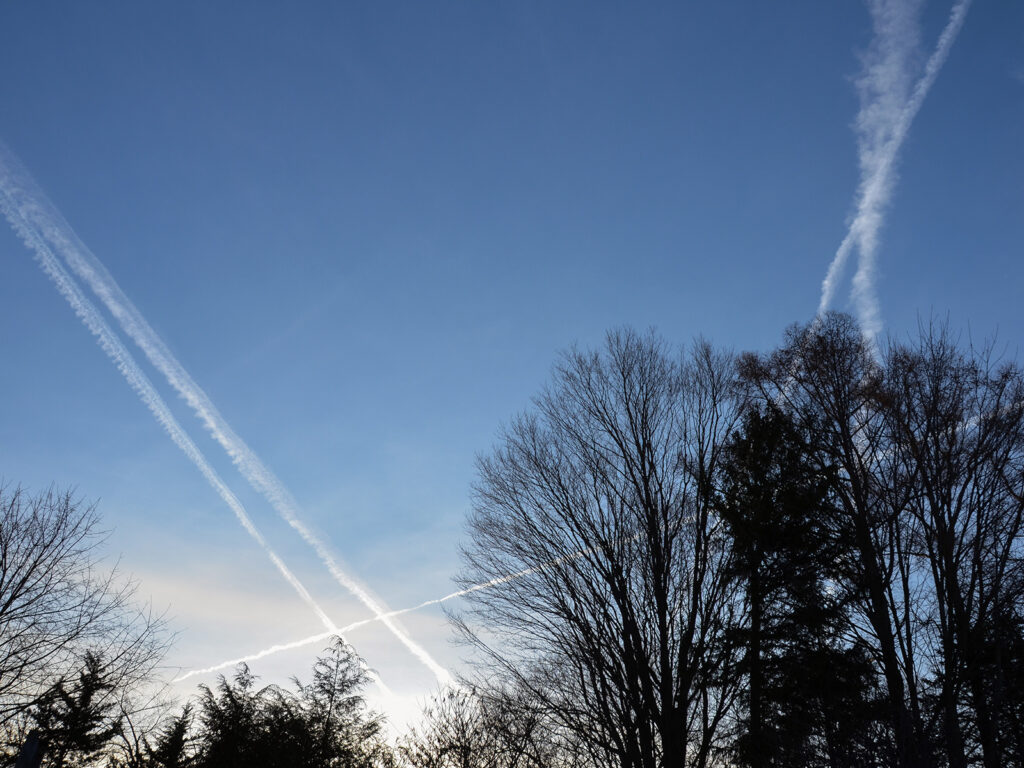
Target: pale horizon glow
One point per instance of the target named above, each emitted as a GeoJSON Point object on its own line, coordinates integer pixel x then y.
{"type": "Point", "coordinates": [320, 636]}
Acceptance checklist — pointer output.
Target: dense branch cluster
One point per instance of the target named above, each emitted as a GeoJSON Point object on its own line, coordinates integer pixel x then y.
{"type": "Point", "coordinates": [66, 617]}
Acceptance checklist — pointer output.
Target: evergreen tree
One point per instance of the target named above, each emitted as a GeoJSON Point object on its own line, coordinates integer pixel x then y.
{"type": "Point", "coordinates": [229, 721]}
{"type": "Point", "coordinates": [334, 710]}
{"type": "Point", "coordinates": [76, 721]}
{"type": "Point", "coordinates": [172, 745]}
{"type": "Point", "coordinates": [804, 687]}
{"type": "Point", "coordinates": [324, 725]}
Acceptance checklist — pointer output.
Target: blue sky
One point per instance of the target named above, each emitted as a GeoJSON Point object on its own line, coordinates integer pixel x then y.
{"type": "Point", "coordinates": [366, 230]}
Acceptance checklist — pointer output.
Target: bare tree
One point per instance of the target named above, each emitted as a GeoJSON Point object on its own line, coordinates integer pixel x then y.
{"type": "Point", "coordinates": [601, 500]}
{"type": "Point", "coordinates": [927, 441]}
{"type": "Point", "coordinates": [827, 377]}
{"type": "Point", "coordinates": [957, 421]}
{"type": "Point", "coordinates": [59, 605]}
{"type": "Point", "coordinates": [486, 728]}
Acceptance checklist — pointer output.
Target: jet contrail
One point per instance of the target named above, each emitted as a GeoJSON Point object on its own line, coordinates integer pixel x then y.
{"type": "Point", "coordinates": [136, 378]}
{"type": "Point", "coordinates": [321, 636]}
{"type": "Point", "coordinates": [36, 208]}
{"type": "Point", "coordinates": [14, 207]}
{"type": "Point", "coordinates": [888, 107]}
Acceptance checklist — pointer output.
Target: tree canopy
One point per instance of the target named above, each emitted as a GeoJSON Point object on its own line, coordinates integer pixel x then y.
{"type": "Point", "coordinates": [806, 557]}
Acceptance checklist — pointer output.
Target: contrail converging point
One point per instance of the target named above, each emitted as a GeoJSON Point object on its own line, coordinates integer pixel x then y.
{"type": "Point", "coordinates": [51, 227]}
{"type": "Point", "coordinates": [888, 107]}
{"type": "Point", "coordinates": [321, 636]}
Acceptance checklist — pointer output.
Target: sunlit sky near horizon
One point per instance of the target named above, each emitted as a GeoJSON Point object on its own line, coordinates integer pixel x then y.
{"type": "Point", "coordinates": [367, 230]}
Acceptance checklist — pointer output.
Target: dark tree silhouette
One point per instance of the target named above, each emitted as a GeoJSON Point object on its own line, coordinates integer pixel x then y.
{"type": "Point", "coordinates": [57, 604]}
{"type": "Point", "coordinates": [61, 610]}
{"type": "Point", "coordinates": [232, 726]}
{"type": "Point", "coordinates": [324, 724]}
{"type": "Point", "coordinates": [77, 720]}
{"type": "Point", "coordinates": [600, 501]}
{"type": "Point", "coordinates": [807, 696]}
{"type": "Point", "coordinates": [173, 746]}
{"type": "Point", "coordinates": [926, 440]}
{"type": "Point", "coordinates": [334, 710]}
{"type": "Point", "coordinates": [956, 425]}
{"type": "Point", "coordinates": [826, 377]}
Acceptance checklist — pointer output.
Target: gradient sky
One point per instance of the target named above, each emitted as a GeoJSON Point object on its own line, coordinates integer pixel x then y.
{"type": "Point", "coordinates": [368, 229]}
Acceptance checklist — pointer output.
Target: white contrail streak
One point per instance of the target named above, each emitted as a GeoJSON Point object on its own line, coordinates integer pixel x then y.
{"type": "Point", "coordinates": [52, 227]}
{"type": "Point", "coordinates": [321, 636]}
{"type": "Point", "coordinates": [888, 107]}
{"type": "Point", "coordinates": [20, 210]}
{"type": "Point", "coordinates": [15, 209]}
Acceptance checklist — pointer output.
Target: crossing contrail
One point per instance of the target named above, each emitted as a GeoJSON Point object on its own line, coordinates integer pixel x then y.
{"type": "Point", "coordinates": [321, 636]}
{"type": "Point", "coordinates": [14, 209]}
{"type": "Point", "coordinates": [888, 107]}
{"type": "Point", "coordinates": [40, 214]}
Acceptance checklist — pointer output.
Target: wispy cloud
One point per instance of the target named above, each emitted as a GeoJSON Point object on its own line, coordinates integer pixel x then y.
{"type": "Point", "coordinates": [49, 226]}
{"type": "Point", "coordinates": [892, 88]}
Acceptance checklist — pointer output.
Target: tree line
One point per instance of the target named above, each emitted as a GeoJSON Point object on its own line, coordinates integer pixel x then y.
{"type": "Point", "coordinates": [809, 557]}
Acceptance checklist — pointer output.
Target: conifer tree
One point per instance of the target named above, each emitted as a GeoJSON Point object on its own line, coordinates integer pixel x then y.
{"type": "Point", "coordinates": [76, 721]}
{"type": "Point", "coordinates": [803, 686]}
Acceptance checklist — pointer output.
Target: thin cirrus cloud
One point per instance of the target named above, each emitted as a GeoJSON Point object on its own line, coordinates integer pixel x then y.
{"type": "Point", "coordinates": [891, 96]}
{"type": "Point", "coordinates": [43, 228]}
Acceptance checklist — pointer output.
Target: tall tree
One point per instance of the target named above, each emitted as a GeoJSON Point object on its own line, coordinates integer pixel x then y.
{"type": "Point", "coordinates": [956, 421]}
{"type": "Point", "coordinates": [600, 501]}
{"type": "Point", "coordinates": [806, 693]}
{"type": "Point", "coordinates": [826, 377]}
{"type": "Point", "coordinates": [334, 710]}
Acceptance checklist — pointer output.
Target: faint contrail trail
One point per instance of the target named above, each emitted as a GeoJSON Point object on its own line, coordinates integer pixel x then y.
{"type": "Point", "coordinates": [888, 107]}
{"type": "Point", "coordinates": [129, 369]}
{"type": "Point", "coordinates": [321, 636]}
{"type": "Point", "coordinates": [52, 227]}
